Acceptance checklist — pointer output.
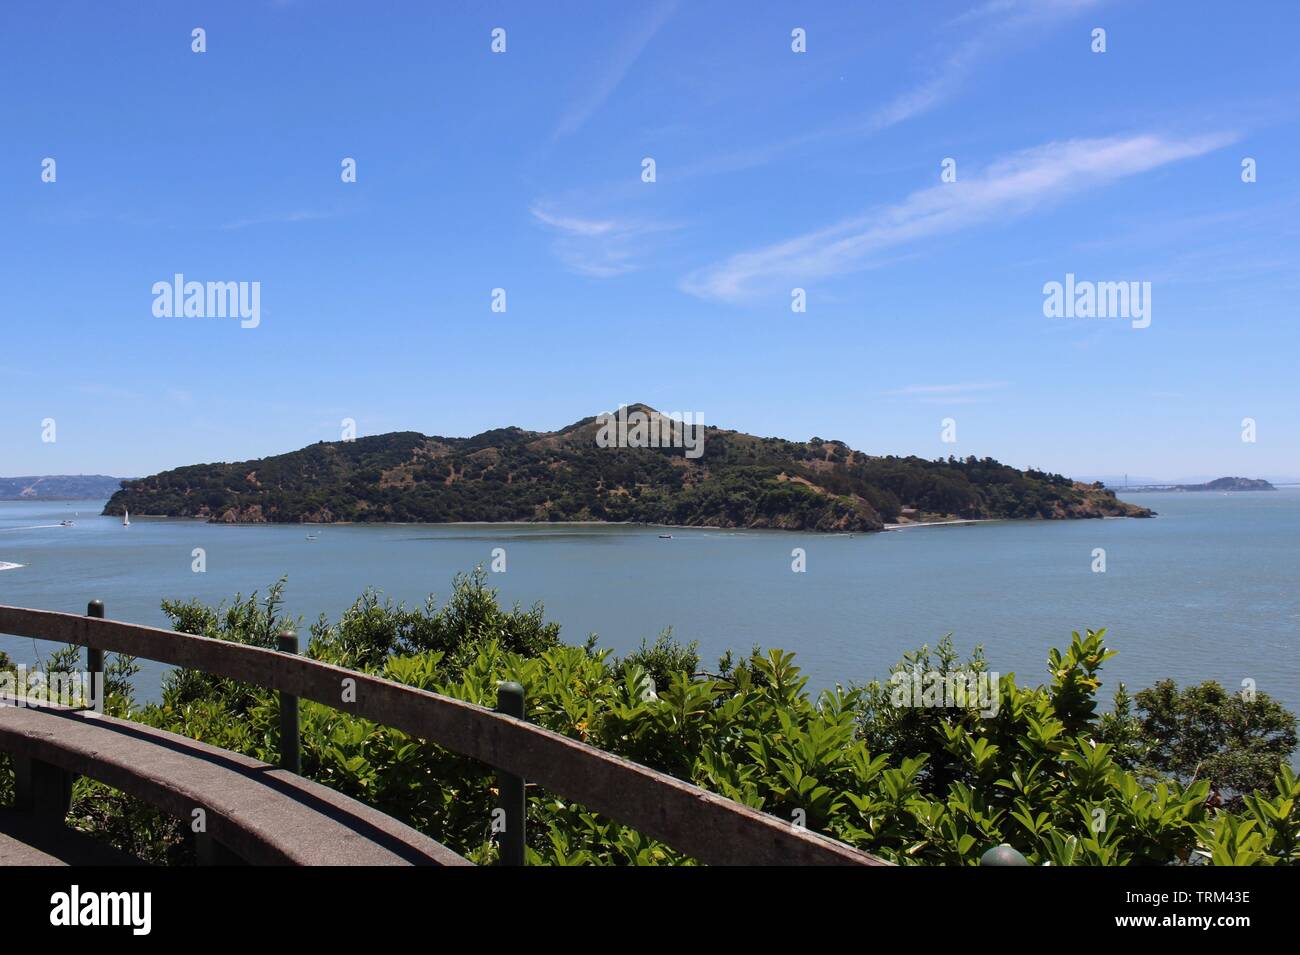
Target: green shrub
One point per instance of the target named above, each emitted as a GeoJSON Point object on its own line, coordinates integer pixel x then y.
{"type": "Point", "coordinates": [1040, 769]}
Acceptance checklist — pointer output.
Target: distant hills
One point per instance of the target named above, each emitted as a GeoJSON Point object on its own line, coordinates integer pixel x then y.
{"type": "Point", "coordinates": [59, 487]}
{"type": "Point", "coordinates": [1120, 482]}
{"type": "Point", "coordinates": [1218, 484]}
{"type": "Point", "coordinates": [510, 474]}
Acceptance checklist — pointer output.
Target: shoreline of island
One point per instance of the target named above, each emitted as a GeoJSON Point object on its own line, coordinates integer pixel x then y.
{"type": "Point", "coordinates": [638, 524]}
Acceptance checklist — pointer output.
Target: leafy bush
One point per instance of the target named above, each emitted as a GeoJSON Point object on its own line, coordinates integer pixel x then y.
{"type": "Point", "coordinates": [1235, 741]}
{"type": "Point", "coordinates": [1040, 769]}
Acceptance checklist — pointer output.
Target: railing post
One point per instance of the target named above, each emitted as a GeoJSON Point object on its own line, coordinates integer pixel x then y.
{"type": "Point", "coordinates": [510, 702]}
{"type": "Point", "coordinates": [42, 789]}
{"type": "Point", "coordinates": [95, 661]}
{"type": "Point", "coordinates": [290, 743]}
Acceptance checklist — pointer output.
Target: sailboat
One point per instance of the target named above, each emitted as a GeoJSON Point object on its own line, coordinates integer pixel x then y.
{"type": "Point", "coordinates": [126, 517]}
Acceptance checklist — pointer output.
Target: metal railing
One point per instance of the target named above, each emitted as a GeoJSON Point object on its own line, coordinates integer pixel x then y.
{"type": "Point", "coordinates": [701, 824]}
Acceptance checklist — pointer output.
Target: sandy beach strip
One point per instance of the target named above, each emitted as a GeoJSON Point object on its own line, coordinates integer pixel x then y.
{"type": "Point", "coordinates": [977, 520]}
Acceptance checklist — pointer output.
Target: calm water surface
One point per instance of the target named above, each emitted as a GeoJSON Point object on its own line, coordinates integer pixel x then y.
{"type": "Point", "coordinates": [1205, 591]}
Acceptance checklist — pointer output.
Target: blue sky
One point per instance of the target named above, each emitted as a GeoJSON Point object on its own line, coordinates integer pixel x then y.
{"type": "Point", "coordinates": [774, 170]}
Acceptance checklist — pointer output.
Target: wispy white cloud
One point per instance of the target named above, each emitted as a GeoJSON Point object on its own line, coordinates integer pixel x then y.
{"type": "Point", "coordinates": [601, 248]}
{"type": "Point", "coordinates": [994, 27]}
{"type": "Point", "coordinates": [100, 390]}
{"type": "Point", "coordinates": [624, 55]}
{"type": "Point", "coordinates": [953, 394]}
{"type": "Point", "coordinates": [948, 400]}
{"type": "Point", "coordinates": [1014, 186]}
{"type": "Point", "coordinates": [1013, 9]}
{"type": "Point", "coordinates": [950, 389]}
{"type": "Point", "coordinates": [279, 218]}
{"type": "Point", "coordinates": [999, 26]}
{"type": "Point", "coordinates": [573, 225]}
{"type": "Point", "coordinates": [984, 10]}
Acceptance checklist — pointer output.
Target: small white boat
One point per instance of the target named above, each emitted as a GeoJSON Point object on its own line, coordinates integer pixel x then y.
{"type": "Point", "coordinates": [665, 537]}
{"type": "Point", "coordinates": [126, 518]}
{"type": "Point", "coordinates": [66, 524]}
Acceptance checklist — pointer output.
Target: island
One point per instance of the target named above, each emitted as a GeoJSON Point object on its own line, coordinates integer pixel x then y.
{"type": "Point", "coordinates": [59, 487]}
{"type": "Point", "coordinates": [1218, 484]}
{"type": "Point", "coordinates": [590, 471]}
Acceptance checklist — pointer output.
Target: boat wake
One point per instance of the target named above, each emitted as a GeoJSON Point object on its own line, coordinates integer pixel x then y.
{"type": "Point", "coordinates": [5, 565]}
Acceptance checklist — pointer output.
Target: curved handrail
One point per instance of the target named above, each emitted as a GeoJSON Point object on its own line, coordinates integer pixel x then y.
{"type": "Point", "coordinates": [263, 815]}
{"type": "Point", "coordinates": [705, 826]}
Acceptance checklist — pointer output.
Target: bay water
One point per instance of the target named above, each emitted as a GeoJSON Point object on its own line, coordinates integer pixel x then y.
{"type": "Point", "coordinates": [1205, 591]}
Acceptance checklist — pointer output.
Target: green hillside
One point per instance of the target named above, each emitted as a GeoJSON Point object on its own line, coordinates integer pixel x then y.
{"type": "Point", "coordinates": [509, 474]}
{"type": "Point", "coordinates": [58, 487]}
